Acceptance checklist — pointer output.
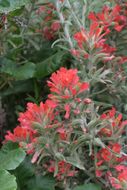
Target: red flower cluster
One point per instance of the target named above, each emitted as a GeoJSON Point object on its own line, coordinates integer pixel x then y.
{"type": "Point", "coordinates": [20, 134]}
{"type": "Point", "coordinates": [114, 126]}
{"type": "Point", "coordinates": [64, 169]}
{"type": "Point", "coordinates": [50, 25]}
{"type": "Point", "coordinates": [42, 114]}
{"type": "Point", "coordinates": [26, 134]}
{"type": "Point", "coordinates": [111, 154]}
{"type": "Point", "coordinates": [42, 125]}
{"type": "Point", "coordinates": [110, 17]}
{"type": "Point", "coordinates": [111, 161]}
{"type": "Point", "coordinates": [93, 37]}
{"type": "Point", "coordinates": [119, 181]}
{"type": "Point", "coordinates": [111, 165]}
{"type": "Point", "coordinates": [93, 40]}
{"type": "Point", "coordinates": [65, 85]}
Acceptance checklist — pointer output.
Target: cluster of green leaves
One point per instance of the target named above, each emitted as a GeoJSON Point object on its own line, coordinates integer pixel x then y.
{"type": "Point", "coordinates": [26, 58]}
{"type": "Point", "coordinates": [29, 177]}
{"type": "Point", "coordinates": [17, 173]}
{"type": "Point", "coordinates": [10, 158]}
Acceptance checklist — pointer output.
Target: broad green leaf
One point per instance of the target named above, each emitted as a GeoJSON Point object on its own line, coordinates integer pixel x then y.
{"type": "Point", "coordinates": [11, 5]}
{"type": "Point", "coordinates": [18, 87]}
{"type": "Point", "coordinates": [4, 3]}
{"type": "Point", "coordinates": [7, 181]}
{"type": "Point", "coordinates": [40, 182]}
{"type": "Point", "coordinates": [25, 172]}
{"type": "Point", "coordinates": [7, 66]}
{"type": "Point", "coordinates": [90, 186]}
{"type": "Point", "coordinates": [11, 156]}
{"type": "Point", "coordinates": [49, 65]}
{"type": "Point", "coordinates": [22, 72]}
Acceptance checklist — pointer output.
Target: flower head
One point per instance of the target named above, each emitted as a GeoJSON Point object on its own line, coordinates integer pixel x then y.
{"type": "Point", "coordinates": [109, 17]}
{"type": "Point", "coordinates": [42, 114]}
{"type": "Point", "coordinates": [65, 85]}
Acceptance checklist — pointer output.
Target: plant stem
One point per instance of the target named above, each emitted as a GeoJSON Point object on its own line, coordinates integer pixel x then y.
{"type": "Point", "coordinates": [66, 28]}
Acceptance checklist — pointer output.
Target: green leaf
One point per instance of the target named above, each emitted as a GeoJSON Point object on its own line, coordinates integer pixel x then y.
{"type": "Point", "coordinates": [40, 182]}
{"type": "Point", "coordinates": [90, 186]}
{"type": "Point", "coordinates": [75, 162]}
{"type": "Point", "coordinates": [21, 72]}
{"type": "Point", "coordinates": [11, 156]}
{"type": "Point", "coordinates": [18, 87]}
{"type": "Point", "coordinates": [7, 181]}
{"type": "Point", "coordinates": [4, 3]}
{"type": "Point", "coordinates": [7, 66]}
{"type": "Point", "coordinates": [24, 72]}
{"type": "Point", "coordinates": [78, 165]}
{"type": "Point", "coordinates": [11, 5]}
{"type": "Point", "coordinates": [24, 172]}
{"type": "Point", "coordinates": [49, 65]}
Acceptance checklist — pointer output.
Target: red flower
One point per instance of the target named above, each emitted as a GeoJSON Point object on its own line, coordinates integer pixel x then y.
{"type": "Point", "coordinates": [20, 134]}
{"type": "Point", "coordinates": [123, 175]}
{"type": "Point", "coordinates": [105, 155]}
{"type": "Point", "coordinates": [75, 52]}
{"type": "Point", "coordinates": [47, 33]}
{"type": "Point", "coordinates": [99, 173]}
{"type": "Point", "coordinates": [114, 123]}
{"type": "Point", "coordinates": [93, 38]}
{"type": "Point", "coordinates": [80, 37]}
{"type": "Point", "coordinates": [65, 84]}
{"type": "Point", "coordinates": [64, 169]}
{"type": "Point", "coordinates": [55, 26]}
{"type": "Point", "coordinates": [62, 133]}
{"type": "Point", "coordinates": [109, 17]}
{"type": "Point", "coordinates": [120, 179]}
{"type": "Point", "coordinates": [24, 137]}
{"type": "Point", "coordinates": [67, 109]}
{"type": "Point", "coordinates": [42, 114]}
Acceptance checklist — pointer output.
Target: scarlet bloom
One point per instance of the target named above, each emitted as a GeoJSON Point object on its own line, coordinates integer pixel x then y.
{"type": "Point", "coordinates": [109, 17]}
{"type": "Point", "coordinates": [99, 173]}
{"type": "Point", "coordinates": [65, 84]}
{"type": "Point", "coordinates": [55, 26]}
{"type": "Point", "coordinates": [42, 114]}
{"type": "Point", "coordinates": [94, 38]}
{"type": "Point", "coordinates": [48, 33]}
{"type": "Point", "coordinates": [62, 133]}
{"type": "Point", "coordinates": [64, 169]}
{"type": "Point", "coordinates": [75, 52]}
{"type": "Point", "coordinates": [120, 179]}
{"type": "Point", "coordinates": [114, 123]}
{"type": "Point", "coordinates": [123, 175]}
{"type": "Point", "coordinates": [20, 134]}
{"type": "Point", "coordinates": [24, 137]}
{"type": "Point", "coordinates": [50, 25]}
{"type": "Point", "coordinates": [31, 121]}
{"type": "Point", "coordinates": [67, 109]}
{"type": "Point", "coordinates": [105, 155]}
